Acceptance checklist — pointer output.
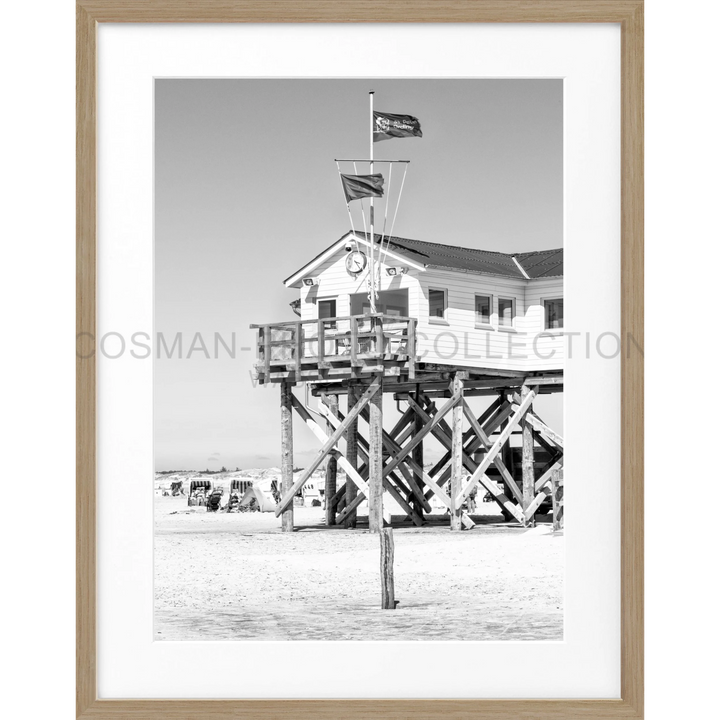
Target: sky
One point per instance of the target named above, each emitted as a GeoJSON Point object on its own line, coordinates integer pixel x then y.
{"type": "Point", "coordinates": [246, 193]}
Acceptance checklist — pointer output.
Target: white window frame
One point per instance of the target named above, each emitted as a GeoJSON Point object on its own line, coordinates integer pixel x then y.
{"type": "Point", "coordinates": [444, 319]}
{"type": "Point", "coordinates": [478, 323]}
{"type": "Point", "coordinates": [511, 326]}
{"type": "Point", "coordinates": [545, 318]}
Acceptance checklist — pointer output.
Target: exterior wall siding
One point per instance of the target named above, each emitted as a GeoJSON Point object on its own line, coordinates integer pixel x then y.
{"type": "Point", "coordinates": [459, 340]}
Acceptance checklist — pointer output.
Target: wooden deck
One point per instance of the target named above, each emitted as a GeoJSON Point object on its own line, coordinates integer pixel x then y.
{"type": "Point", "coordinates": [334, 352]}
{"type": "Point", "coordinates": [337, 348]}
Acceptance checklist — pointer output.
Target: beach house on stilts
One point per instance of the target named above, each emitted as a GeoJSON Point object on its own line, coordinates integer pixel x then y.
{"type": "Point", "coordinates": [432, 324]}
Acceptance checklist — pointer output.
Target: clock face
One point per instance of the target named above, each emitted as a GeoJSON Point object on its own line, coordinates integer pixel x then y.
{"type": "Point", "coordinates": [355, 262]}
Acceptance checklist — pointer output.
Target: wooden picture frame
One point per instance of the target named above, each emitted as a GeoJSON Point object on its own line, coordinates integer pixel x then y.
{"type": "Point", "coordinates": [629, 15]}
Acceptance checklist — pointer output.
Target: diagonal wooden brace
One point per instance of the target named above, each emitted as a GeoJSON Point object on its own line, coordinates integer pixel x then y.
{"type": "Point", "coordinates": [502, 438]}
{"type": "Point", "coordinates": [387, 474]}
{"type": "Point", "coordinates": [328, 443]}
{"type": "Point", "coordinates": [499, 464]}
{"type": "Point", "coordinates": [483, 479]}
{"type": "Point", "coordinates": [547, 475]}
{"type": "Point", "coordinates": [363, 450]}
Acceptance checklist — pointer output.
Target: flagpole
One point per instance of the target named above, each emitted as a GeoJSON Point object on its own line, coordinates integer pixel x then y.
{"type": "Point", "coordinates": [372, 212]}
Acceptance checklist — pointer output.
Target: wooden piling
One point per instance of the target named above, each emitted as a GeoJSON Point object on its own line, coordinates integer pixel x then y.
{"type": "Point", "coordinates": [286, 451]}
{"type": "Point", "coordinates": [331, 467]}
{"type": "Point", "coordinates": [418, 457]}
{"type": "Point", "coordinates": [528, 458]}
{"type": "Point", "coordinates": [457, 458]}
{"type": "Point", "coordinates": [351, 438]}
{"type": "Point", "coordinates": [557, 500]}
{"type": "Point", "coordinates": [375, 461]}
{"type": "Point", "coordinates": [387, 576]}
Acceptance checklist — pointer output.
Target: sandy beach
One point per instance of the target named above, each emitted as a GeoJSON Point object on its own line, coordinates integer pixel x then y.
{"type": "Point", "coordinates": [236, 576]}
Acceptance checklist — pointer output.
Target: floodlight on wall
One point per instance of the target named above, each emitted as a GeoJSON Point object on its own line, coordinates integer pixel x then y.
{"type": "Point", "coordinates": [392, 271]}
{"type": "Point", "coordinates": [309, 282]}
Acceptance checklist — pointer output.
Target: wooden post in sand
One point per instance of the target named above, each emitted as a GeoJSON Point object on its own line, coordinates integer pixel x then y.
{"type": "Point", "coordinates": [528, 459]}
{"type": "Point", "coordinates": [387, 576]}
{"type": "Point", "coordinates": [286, 451]}
{"type": "Point", "coordinates": [331, 467]}
{"type": "Point", "coordinates": [457, 459]}
{"type": "Point", "coordinates": [351, 455]}
{"type": "Point", "coordinates": [375, 461]}
{"type": "Point", "coordinates": [418, 457]}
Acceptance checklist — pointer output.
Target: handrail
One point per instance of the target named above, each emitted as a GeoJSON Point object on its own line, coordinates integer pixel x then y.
{"type": "Point", "coordinates": [292, 323]}
{"type": "Point", "coordinates": [297, 345]}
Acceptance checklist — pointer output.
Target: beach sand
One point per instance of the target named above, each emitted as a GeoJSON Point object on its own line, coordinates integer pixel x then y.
{"type": "Point", "coordinates": [236, 576]}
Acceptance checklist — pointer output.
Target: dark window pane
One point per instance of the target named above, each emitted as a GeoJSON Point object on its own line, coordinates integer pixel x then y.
{"type": "Point", "coordinates": [506, 311]}
{"type": "Point", "coordinates": [482, 309]}
{"type": "Point", "coordinates": [327, 309]}
{"type": "Point", "coordinates": [437, 303]}
{"type": "Point", "coordinates": [554, 314]}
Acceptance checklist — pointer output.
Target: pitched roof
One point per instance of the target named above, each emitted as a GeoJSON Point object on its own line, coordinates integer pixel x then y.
{"type": "Point", "coordinates": [533, 265]}
{"type": "Point", "coordinates": [540, 264]}
{"type": "Point", "coordinates": [543, 263]}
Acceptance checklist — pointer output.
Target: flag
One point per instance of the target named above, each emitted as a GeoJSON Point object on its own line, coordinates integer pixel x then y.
{"type": "Point", "coordinates": [361, 186]}
{"type": "Point", "coordinates": [388, 126]}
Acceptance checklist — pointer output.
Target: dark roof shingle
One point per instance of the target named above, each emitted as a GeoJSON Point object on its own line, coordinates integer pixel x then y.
{"type": "Point", "coordinates": [539, 264]}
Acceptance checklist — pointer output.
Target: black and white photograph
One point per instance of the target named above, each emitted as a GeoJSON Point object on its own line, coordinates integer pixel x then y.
{"type": "Point", "coordinates": [358, 385]}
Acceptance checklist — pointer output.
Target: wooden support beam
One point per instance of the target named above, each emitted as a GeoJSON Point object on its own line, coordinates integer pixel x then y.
{"type": "Point", "coordinates": [547, 475]}
{"type": "Point", "coordinates": [497, 417]}
{"type": "Point", "coordinates": [456, 501]}
{"type": "Point", "coordinates": [403, 503]}
{"type": "Point", "coordinates": [436, 367]}
{"type": "Point", "coordinates": [387, 577]}
{"type": "Point", "coordinates": [418, 456]}
{"type": "Point", "coordinates": [266, 352]}
{"type": "Point", "coordinates": [328, 445]}
{"type": "Point", "coordinates": [558, 501]}
{"type": "Point", "coordinates": [353, 475]}
{"type": "Point", "coordinates": [286, 453]}
{"type": "Point", "coordinates": [388, 469]}
{"type": "Point", "coordinates": [351, 438]}
{"type": "Point", "coordinates": [426, 430]}
{"type": "Point", "coordinates": [375, 459]}
{"type": "Point", "coordinates": [493, 408]}
{"type": "Point", "coordinates": [340, 494]}
{"type": "Point", "coordinates": [330, 467]}
{"type": "Point", "coordinates": [502, 439]}
{"type": "Point", "coordinates": [299, 349]}
{"type": "Point", "coordinates": [498, 461]}
{"type": "Point", "coordinates": [528, 456]}
{"type": "Point", "coordinates": [444, 436]}
{"type": "Point", "coordinates": [411, 348]}
{"type": "Point", "coordinates": [538, 500]}
{"type": "Point", "coordinates": [534, 421]}
{"type": "Point", "coordinates": [350, 508]}
{"type": "Point", "coordinates": [410, 470]}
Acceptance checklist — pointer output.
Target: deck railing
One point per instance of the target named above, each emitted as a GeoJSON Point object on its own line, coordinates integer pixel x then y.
{"type": "Point", "coordinates": [352, 339]}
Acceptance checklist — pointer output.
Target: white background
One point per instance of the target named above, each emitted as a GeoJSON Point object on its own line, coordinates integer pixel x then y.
{"type": "Point", "coordinates": [587, 663]}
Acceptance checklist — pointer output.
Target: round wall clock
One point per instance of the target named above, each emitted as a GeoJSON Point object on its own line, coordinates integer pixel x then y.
{"type": "Point", "coordinates": [355, 262]}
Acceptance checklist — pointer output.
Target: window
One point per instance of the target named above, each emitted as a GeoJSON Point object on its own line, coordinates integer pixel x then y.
{"type": "Point", "coordinates": [438, 304]}
{"type": "Point", "coordinates": [506, 312]}
{"type": "Point", "coordinates": [327, 309]}
{"type": "Point", "coordinates": [483, 309]}
{"type": "Point", "coordinates": [389, 302]}
{"type": "Point", "coordinates": [553, 313]}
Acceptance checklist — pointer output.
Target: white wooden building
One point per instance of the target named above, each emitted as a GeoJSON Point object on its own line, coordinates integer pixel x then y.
{"type": "Point", "coordinates": [474, 308]}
